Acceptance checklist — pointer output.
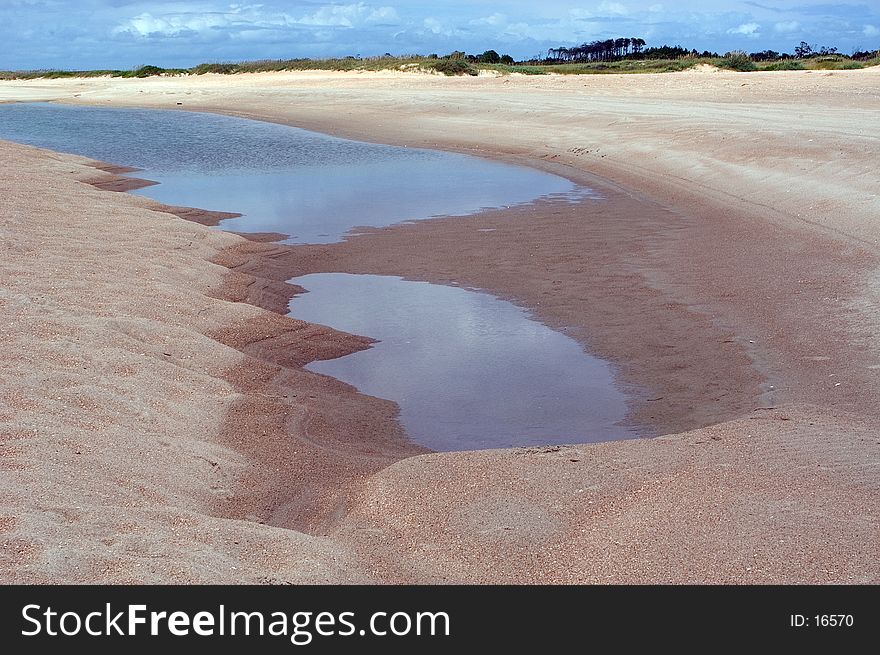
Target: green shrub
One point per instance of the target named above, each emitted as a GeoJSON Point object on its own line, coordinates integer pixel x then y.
{"type": "Point", "coordinates": [147, 71]}
{"type": "Point", "coordinates": [455, 67]}
{"type": "Point", "coordinates": [738, 60]}
{"type": "Point", "coordinates": [225, 69]}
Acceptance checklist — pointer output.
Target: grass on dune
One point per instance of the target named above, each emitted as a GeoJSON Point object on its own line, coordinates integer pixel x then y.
{"type": "Point", "coordinates": [343, 64]}
{"type": "Point", "coordinates": [625, 66]}
{"type": "Point", "coordinates": [447, 66]}
{"type": "Point", "coordinates": [831, 62]}
{"type": "Point", "coordinates": [459, 66]}
{"type": "Point", "coordinates": [143, 71]}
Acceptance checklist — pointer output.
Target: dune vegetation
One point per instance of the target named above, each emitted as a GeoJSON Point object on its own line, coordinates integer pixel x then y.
{"type": "Point", "coordinates": [624, 55]}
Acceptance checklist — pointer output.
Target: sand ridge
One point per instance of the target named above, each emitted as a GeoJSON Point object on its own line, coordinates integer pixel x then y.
{"type": "Point", "coordinates": [748, 249]}
{"type": "Point", "coordinates": [113, 398]}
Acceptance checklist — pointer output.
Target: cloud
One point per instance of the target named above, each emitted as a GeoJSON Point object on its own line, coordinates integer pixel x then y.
{"type": "Point", "coordinates": [495, 20]}
{"type": "Point", "coordinates": [146, 24]}
{"type": "Point", "coordinates": [439, 27]}
{"type": "Point", "coordinates": [871, 30]}
{"type": "Point", "coordinates": [787, 27]}
{"type": "Point", "coordinates": [603, 10]}
{"type": "Point", "coordinates": [238, 19]}
{"type": "Point", "coordinates": [751, 30]}
{"type": "Point", "coordinates": [173, 24]}
{"type": "Point", "coordinates": [352, 15]}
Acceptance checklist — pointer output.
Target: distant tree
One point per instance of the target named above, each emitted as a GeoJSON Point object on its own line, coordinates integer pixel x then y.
{"type": "Point", "coordinates": [765, 55]}
{"type": "Point", "coordinates": [864, 54]}
{"type": "Point", "coordinates": [803, 50]}
{"type": "Point", "coordinates": [608, 50]}
{"type": "Point", "coordinates": [490, 57]}
{"type": "Point", "coordinates": [507, 60]}
{"type": "Point", "coordinates": [617, 49]}
{"type": "Point", "coordinates": [665, 52]}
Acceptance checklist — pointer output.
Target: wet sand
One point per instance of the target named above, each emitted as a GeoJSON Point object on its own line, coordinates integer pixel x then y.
{"type": "Point", "coordinates": [729, 274]}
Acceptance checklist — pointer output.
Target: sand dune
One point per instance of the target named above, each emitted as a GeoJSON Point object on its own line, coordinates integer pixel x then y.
{"type": "Point", "coordinates": [156, 425]}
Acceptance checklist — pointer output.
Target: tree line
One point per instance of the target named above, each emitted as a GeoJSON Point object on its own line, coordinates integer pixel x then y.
{"type": "Point", "coordinates": [607, 50]}
{"type": "Point", "coordinates": [634, 48]}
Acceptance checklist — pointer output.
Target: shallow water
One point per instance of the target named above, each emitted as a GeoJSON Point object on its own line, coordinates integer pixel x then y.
{"type": "Point", "coordinates": [468, 370]}
{"type": "Point", "coordinates": [283, 179]}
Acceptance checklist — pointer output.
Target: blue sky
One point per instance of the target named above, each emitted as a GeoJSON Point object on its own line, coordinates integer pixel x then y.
{"type": "Point", "coordinates": [127, 33]}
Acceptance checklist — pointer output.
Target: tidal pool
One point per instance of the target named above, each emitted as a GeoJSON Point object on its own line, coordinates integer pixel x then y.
{"type": "Point", "coordinates": [469, 371]}
{"type": "Point", "coordinates": [311, 186]}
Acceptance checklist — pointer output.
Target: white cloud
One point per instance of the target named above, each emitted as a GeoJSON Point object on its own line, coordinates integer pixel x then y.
{"type": "Point", "coordinates": [495, 20]}
{"type": "Point", "coordinates": [240, 18]}
{"type": "Point", "coordinates": [436, 26]}
{"type": "Point", "coordinates": [352, 15]}
{"type": "Point", "coordinates": [146, 24]}
{"type": "Point", "coordinates": [236, 17]}
{"type": "Point", "coordinates": [787, 27]}
{"type": "Point", "coordinates": [750, 30]}
{"type": "Point", "coordinates": [603, 10]}
{"type": "Point", "coordinates": [871, 30]}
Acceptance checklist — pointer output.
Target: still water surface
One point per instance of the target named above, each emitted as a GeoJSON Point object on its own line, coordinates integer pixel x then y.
{"type": "Point", "coordinates": [311, 186]}
{"type": "Point", "coordinates": [468, 370]}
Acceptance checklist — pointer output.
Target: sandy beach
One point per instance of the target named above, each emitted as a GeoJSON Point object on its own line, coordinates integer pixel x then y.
{"type": "Point", "coordinates": [156, 424]}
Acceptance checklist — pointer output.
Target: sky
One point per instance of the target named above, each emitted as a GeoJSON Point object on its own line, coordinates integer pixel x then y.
{"type": "Point", "coordinates": [122, 34]}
